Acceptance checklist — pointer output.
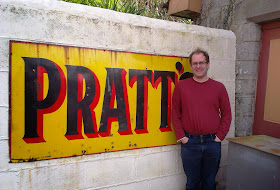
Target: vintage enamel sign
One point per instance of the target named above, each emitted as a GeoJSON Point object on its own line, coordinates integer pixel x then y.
{"type": "Point", "coordinates": [67, 101]}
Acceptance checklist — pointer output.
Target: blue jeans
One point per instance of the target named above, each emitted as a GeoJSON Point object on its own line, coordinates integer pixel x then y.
{"type": "Point", "coordinates": [201, 158]}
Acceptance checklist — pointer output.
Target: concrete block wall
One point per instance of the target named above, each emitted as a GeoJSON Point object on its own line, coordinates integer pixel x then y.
{"type": "Point", "coordinates": [57, 22]}
{"type": "Point", "coordinates": [233, 15]}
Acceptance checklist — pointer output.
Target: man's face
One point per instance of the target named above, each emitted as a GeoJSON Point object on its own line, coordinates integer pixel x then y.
{"type": "Point", "coordinates": [199, 66]}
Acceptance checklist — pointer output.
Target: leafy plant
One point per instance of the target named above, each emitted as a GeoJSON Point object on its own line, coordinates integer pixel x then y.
{"type": "Point", "coordinates": [149, 8]}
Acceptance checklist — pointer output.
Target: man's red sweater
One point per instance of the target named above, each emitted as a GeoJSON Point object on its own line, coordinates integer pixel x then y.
{"type": "Point", "coordinates": [200, 108]}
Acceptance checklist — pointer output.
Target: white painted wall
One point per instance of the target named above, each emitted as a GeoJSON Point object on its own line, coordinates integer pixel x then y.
{"type": "Point", "coordinates": [51, 21]}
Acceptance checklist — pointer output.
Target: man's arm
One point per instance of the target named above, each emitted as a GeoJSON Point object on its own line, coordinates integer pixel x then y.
{"type": "Point", "coordinates": [225, 114]}
{"type": "Point", "coordinates": [176, 115]}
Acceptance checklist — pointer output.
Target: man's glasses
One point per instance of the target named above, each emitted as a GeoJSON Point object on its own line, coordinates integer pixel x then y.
{"type": "Point", "coordinates": [201, 63]}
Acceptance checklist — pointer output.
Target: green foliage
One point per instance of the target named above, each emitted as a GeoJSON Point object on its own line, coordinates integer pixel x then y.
{"type": "Point", "coordinates": [149, 8]}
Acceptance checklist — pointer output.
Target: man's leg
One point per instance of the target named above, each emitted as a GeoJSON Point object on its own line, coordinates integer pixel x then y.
{"type": "Point", "coordinates": [210, 163]}
{"type": "Point", "coordinates": [191, 157]}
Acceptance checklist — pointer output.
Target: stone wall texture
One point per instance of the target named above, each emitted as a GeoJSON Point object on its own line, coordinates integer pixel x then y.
{"type": "Point", "coordinates": [57, 22]}
{"type": "Point", "coordinates": [237, 16]}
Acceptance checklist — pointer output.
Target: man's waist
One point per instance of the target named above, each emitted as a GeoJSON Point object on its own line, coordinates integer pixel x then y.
{"type": "Point", "coordinates": [213, 135]}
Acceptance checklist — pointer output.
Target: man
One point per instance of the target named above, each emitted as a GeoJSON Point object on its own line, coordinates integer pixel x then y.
{"type": "Point", "coordinates": [201, 117]}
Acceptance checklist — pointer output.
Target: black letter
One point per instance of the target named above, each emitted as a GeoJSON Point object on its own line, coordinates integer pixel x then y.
{"type": "Point", "coordinates": [35, 105]}
{"type": "Point", "coordinates": [80, 106]}
{"type": "Point", "coordinates": [142, 77]}
{"type": "Point", "coordinates": [115, 88]}
{"type": "Point", "coordinates": [165, 77]}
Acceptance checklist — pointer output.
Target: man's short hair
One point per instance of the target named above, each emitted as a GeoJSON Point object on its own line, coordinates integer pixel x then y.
{"type": "Point", "coordinates": [198, 51]}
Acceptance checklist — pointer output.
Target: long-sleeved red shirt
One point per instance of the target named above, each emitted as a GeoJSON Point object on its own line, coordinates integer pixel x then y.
{"type": "Point", "coordinates": [200, 108]}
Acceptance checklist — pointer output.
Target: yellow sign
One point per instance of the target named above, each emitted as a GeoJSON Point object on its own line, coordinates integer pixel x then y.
{"type": "Point", "coordinates": [68, 101]}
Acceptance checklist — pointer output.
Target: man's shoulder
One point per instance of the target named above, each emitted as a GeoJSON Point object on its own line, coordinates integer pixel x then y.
{"type": "Point", "coordinates": [218, 86]}
{"type": "Point", "coordinates": [184, 81]}
{"type": "Point", "coordinates": [216, 83]}
{"type": "Point", "coordinates": [182, 84]}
